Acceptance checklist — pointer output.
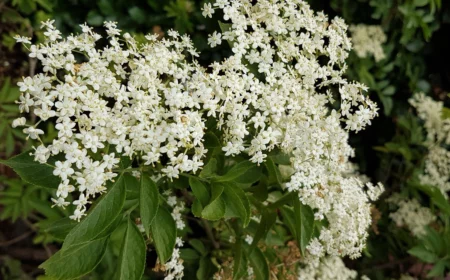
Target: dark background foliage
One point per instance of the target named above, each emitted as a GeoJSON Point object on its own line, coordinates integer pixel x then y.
{"type": "Point", "coordinates": [390, 151]}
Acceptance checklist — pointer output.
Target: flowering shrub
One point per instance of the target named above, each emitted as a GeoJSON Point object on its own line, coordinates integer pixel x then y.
{"type": "Point", "coordinates": [152, 138]}
{"type": "Point", "coordinates": [155, 156]}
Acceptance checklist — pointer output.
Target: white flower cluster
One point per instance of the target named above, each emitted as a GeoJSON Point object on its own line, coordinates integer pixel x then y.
{"type": "Point", "coordinates": [297, 57]}
{"type": "Point", "coordinates": [437, 169]}
{"type": "Point", "coordinates": [411, 214]}
{"type": "Point", "coordinates": [174, 267]}
{"type": "Point", "coordinates": [437, 162]}
{"type": "Point", "coordinates": [177, 211]}
{"type": "Point", "coordinates": [330, 268]}
{"type": "Point", "coordinates": [431, 112]}
{"type": "Point", "coordinates": [146, 101]}
{"type": "Point", "coordinates": [368, 40]}
{"type": "Point", "coordinates": [142, 99]}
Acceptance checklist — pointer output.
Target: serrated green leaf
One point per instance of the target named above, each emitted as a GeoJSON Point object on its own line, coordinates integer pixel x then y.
{"type": "Point", "coordinates": [304, 223]}
{"type": "Point", "coordinates": [100, 221]}
{"type": "Point", "coordinates": [244, 172]}
{"type": "Point", "coordinates": [215, 210]}
{"type": "Point", "coordinates": [164, 233]}
{"type": "Point", "coordinates": [274, 172]}
{"type": "Point", "coordinates": [209, 169]}
{"type": "Point", "coordinates": [423, 254]}
{"type": "Point", "coordinates": [436, 196]}
{"type": "Point", "coordinates": [438, 269]}
{"type": "Point", "coordinates": [34, 172]}
{"type": "Point", "coordinates": [289, 219]}
{"type": "Point", "coordinates": [148, 201]}
{"type": "Point", "coordinates": [200, 191]}
{"type": "Point", "coordinates": [240, 264]}
{"type": "Point", "coordinates": [76, 261]}
{"type": "Point", "coordinates": [268, 219]}
{"type": "Point", "coordinates": [198, 245]}
{"type": "Point", "coordinates": [236, 202]}
{"type": "Point", "coordinates": [259, 264]}
{"type": "Point", "coordinates": [132, 254]}
{"type": "Point", "coordinates": [205, 269]}
{"type": "Point", "coordinates": [189, 255]}
{"type": "Point", "coordinates": [197, 208]}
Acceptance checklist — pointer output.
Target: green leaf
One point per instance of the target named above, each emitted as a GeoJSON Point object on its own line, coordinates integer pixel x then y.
{"type": "Point", "coordinates": [188, 254]}
{"type": "Point", "coordinates": [209, 169]}
{"type": "Point", "coordinates": [197, 208]}
{"type": "Point", "coordinates": [438, 269]}
{"type": "Point", "coordinates": [423, 254]}
{"type": "Point", "coordinates": [205, 269]}
{"type": "Point", "coordinates": [198, 245]}
{"type": "Point", "coordinates": [102, 220]}
{"type": "Point", "coordinates": [289, 219]}
{"type": "Point", "coordinates": [148, 201]}
{"type": "Point", "coordinates": [164, 233]}
{"type": "Point", "coordinates": [215, 210]}
{"type": "Point", "coordinates": [240, 262]}
{"type": "Point", "coordinates": [237, 203]}
{"type": "Point", "coordinates": [268, 219]}
{"type": "Point", "coordinates": [244, 172]}
{"type": "Point", "coordinates": [94, 18]}
{"type": "Point", "coordinates": [137, 14]}
{"type": "Point", "coordinates": [274, 172]}
{"type": "Point", "coordinates": [388, 104]}
{"type": "Point", "coordinates": [34, 172]}
{"type": "Point", "coordinates": [304, 223]}
{"type": "Point", "coordinates": [390, 90]}
{"type": "Point", "coordinates": [60, 228]}
{"type": "Point", "coordinates": [421, 3]}
{"type": "Point", "coordinates": [132, 255]}
{"type": "Point", "coordinates": [436, 196]}
{"type": "Point", "coordinates": [76, 261]}
{"type": "Point", "coordinates": [200, 191]}
{"type": "Point", "coordinates": [259, 264]}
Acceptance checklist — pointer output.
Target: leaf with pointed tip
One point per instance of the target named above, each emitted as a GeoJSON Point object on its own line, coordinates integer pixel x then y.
{"type": "Point", "coordinates": [215, 210]}
{"type": "Point", "coordinates": [244, 172]}
{"type": "Point", "coordinates": [164, 233]}
{"type": "Point", "coordinates": [240, 262]}
{"type": "Point", "coordinates": [33, 172]}
{"type": "Point", "coordinates": [148, 201]}
{"type": "Point", "coordinates": [259, 264]}
{"type": "Point", "coordinates": [304, 223]}
{"type": "Point", "coordinates": [103, 218]}
{"type": "Point", "coordinates": [132, 254]}
{"type": "Point", "coordinates": [200, 191]}
{"type": "Point", "coordinates": [76, 261]}
{"type": "Point", "coordinates": [237, 203]}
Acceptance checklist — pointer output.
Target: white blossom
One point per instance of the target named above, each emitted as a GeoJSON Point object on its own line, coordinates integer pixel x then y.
{"type": "Point", "coordinates": [368, 40]}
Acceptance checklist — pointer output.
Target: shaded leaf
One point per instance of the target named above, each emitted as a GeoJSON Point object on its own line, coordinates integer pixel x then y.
{"type": "Point", "coordinates": [164, 234]}
{"type": "Point", "coordinates": [148, 201]}
{"type": "Point", "coordinates": [75, 261]}
{"type": "Point", "coordinates": [34, 172]}
{"type": "Point", "coordinates": [132, 254]}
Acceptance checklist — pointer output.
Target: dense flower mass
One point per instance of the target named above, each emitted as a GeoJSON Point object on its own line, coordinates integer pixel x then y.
{"type": "Point", "coordinates": [283, 87]}
{"type": "Point", "coordinates": [437, 126]}
{"type": "Point", "coordinates": [411, 215]}
{"type": "Point", "coordinates": [329, 268]}
{"type": "Point", "coordinates": [298, 57]}
{"type": "Point", "coordinates": [368, 40]}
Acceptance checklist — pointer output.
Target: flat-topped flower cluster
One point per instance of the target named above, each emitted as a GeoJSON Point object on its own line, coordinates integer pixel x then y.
{"type": "Point", "coordinates": [437, 126]}
{"type": "Point", "coordinates": [283, 87]}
